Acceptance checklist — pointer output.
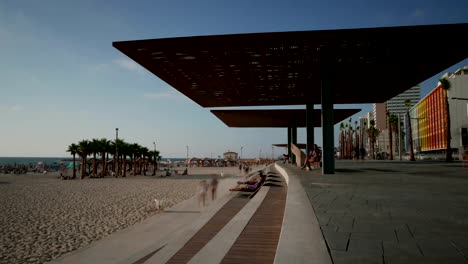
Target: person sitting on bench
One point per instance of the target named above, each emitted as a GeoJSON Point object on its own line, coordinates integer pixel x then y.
{"type": "Point", "coordinates": [313, 155]}
{"type": "Point", "coordinates": [250, 186]}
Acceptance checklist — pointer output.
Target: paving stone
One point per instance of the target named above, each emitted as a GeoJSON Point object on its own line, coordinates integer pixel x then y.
{"type": "Point", "coordinates": [367, 246]}
{"type": "Point", "coordinates": [424, 203]}
{"type": "Point", "coordinates": [340, 257]}
{"type": "Point", "coordinates": [437, 247]}
{"type": "Point", "coordinates": [403, 234]}
{"type": "Point", "coordinates": [337, 240]}
{"type": "Point", "coordinates": [408, 248]}
{"type": "Point", "coordinates": [324, 218]}
{"type": "Point", "coordinates": [383, 236]}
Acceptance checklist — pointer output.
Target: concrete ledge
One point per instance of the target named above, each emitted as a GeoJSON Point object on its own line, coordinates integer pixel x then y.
{"type": "Point", "coordinates": [215, 250]}
{"type": "Point", "coordinates": [301, 239]}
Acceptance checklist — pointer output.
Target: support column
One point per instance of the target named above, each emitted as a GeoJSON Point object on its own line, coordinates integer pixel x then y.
{"type": "Point", "coordinates": [294, 141]}
{"type": "Point", "coordinates": [328, 155]}
{"type": "Point", "coordinates": [289, 143]}
{"type": "Point", "coordinates": [309, 125]}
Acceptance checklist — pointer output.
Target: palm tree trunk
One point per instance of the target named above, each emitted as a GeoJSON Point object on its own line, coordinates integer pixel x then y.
{"type": "Point", "coordinates": [83, 166]}
{"type": "Point", "coordinates": [134, 165]}
{"type": "Point", "coordinates": [390, 139]}
{"type": "Point", "coordinates": [124, 174]}
{"type": "Point", "coordinates": [410, 137]}
{"type": "Point", "coordinates": [103, 164]}
{"type": "Point", "coordinates": [106, 164]}
{"type": "Point", "coordinates": [74, 169]}
{"type": "Point", "coordinates": [94, 165]}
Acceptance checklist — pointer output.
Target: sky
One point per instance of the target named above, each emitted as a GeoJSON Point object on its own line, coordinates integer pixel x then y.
{"type": "Point", "coordinates": [61, 81]}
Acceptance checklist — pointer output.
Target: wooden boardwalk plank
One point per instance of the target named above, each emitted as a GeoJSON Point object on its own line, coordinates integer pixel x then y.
{"type": "Point", "coordinates": [258, 241]}
{"type": "Point", "coordinates": [209, 230]}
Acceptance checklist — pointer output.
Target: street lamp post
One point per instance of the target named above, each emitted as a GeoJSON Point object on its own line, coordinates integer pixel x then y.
{"type": "Point", "coordinates": [241, 153]}
{"type": "Point", "coordinates": [155, 156]}
{"type": "Point", "coordinates": [187, 157]}
{"type": "Point", "coordinates": [116, 159]}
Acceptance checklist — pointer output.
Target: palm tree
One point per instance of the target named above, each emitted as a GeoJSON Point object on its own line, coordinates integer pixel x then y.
{"type": "Point", "coordinates": [342, 128]}
{"type": "Point", "coordinates": [144, 153]}
{"type": "Point", "coordinates": [117, 157]}
{"type": "Point", "coordinates": [394, 128]}
{"type": "Point", "coordinates": [372, 133]}
{"type": "Point", "coordinates": [83, 151]}
{"type": "Point", "coordinates": [73, 149]}
{"type": "Point", "coordinates": [110, 149]}
{"type": "Point", "coordinates": [350, 138]}
{"type": "Point", "coordinates": [134, 148]}
{"type": "Point", "coordinates": [390, 135]}
{"type": "Point", "coordinates": [93, 147]}
{"type": "Point", "coordinates": [102, 147]}
{"type": "Point", "coordinates": [410, 133]}
{"type": "Point", "coordinates": [153, 157]}
{"type": "Point", "coordinates": [124, 150]}
{"type": "Point", "coordinates": [445, 84]}
{"type": "Point", "coordinates": [356, 139]}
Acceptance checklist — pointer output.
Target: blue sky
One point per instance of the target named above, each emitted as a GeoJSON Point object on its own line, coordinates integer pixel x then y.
{"type": "Point", "coordinates": [61, 80]}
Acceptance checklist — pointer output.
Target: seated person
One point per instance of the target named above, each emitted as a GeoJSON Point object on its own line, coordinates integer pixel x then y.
{"type": "Point", "coordinates": [185, 172]}
{"type": "Point", "coordinates": [253, 180]}
{"type": "Point", "coordinates": [313, 155]}
{"type": "Point", "coordinates": [250, 186]}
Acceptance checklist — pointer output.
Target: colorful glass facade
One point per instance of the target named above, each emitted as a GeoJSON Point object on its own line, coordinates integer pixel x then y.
{"type": "Point", "coordinates": [430, 113]}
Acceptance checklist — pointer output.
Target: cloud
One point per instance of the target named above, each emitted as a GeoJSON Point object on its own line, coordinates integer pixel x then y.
{"type": "Point", "coordinates": [161, 96]}
{"type": "Point", "coordinates": [418, 13]}
{"type": "Point", "coordinates": [98, 68]}
{"type": "Point", "coordinates": [129, 65]}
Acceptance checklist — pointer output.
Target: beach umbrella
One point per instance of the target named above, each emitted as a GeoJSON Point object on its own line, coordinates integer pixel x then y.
{"type": "Point", "coordinates": [70, 165]}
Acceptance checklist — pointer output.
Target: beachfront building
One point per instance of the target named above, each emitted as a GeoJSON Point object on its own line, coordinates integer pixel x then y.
{"type": "Point", "coordinates": [429, 122]}
{"type": "Point", "coordinates": [230, 155]}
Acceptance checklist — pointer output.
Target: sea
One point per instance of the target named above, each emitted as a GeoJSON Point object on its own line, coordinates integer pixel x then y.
{"type": "Point", "coordinates": [50, 161]}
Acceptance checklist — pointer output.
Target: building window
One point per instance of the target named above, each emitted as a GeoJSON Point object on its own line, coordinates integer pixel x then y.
{"type": "Point", "coordinates": [464, 136]}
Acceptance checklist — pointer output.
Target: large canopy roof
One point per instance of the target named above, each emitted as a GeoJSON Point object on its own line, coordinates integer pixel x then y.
{"type": "Point", "coordinates": [369, 65]}
{"type": "Point", "coordinates": [299, 145]}
{"type": "Point", "coordinates": [277, 117]}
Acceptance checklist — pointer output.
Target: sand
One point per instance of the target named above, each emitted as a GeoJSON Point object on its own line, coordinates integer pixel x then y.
{"type": "Point", "coordinates": [43, 217]}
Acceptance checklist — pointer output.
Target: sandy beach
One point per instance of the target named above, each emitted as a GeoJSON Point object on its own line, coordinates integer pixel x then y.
{"type": "Point", "coordinates": [44, 217]}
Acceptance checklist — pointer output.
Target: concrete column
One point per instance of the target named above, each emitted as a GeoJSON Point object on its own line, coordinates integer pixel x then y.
{"type": "Point", "coordinates": [328, 151]}
{"type": "Point", "coordinates": [289, 143]}
{"type": "Point", "coordinates": [294, 141]}
{"type": "Point", "coordinates": [309, 125]}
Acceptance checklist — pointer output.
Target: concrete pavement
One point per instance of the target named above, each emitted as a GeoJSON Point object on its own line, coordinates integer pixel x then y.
{"type": "Point", "coordinates": [391, 211]}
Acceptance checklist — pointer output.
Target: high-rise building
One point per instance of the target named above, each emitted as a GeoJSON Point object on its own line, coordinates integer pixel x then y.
{"type": "Point", "coordinates": [429, 121]}
{"type": "Point", "coordinates": [395, 106]}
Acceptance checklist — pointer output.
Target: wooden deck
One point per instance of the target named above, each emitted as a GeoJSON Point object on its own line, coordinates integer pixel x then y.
{"type": "Point", "coordinates": [259, 240]}
{"type": "Point", "coordinates": [209, 230]}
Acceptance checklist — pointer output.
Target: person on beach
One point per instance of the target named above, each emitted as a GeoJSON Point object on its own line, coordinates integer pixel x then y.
{"type": "Point", "coordinates": [250, 185]}
{"type": "Point", "coordinates": [214, 186]}
{"type": "Point", "coordinates": [203, 189]}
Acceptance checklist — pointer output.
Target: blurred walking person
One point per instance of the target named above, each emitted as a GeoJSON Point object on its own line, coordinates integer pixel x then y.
{"type": "Point", "coordinates": [213, 186]}
{"type": "Point", "coordinates": [203, 189]}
